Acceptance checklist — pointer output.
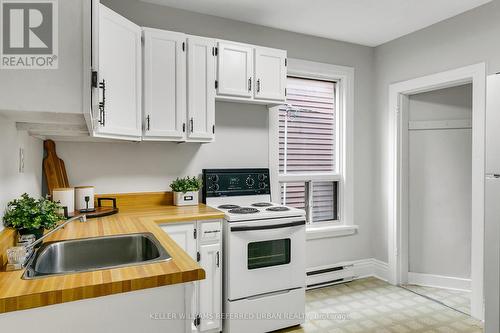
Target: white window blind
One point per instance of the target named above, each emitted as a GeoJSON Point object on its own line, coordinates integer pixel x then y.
{"type": "Point", "coordinates": [307, 146]}
{"type": "Point", "coordinates": [306, 132]}
{"type": "Point", "coordinates": [324, 201]}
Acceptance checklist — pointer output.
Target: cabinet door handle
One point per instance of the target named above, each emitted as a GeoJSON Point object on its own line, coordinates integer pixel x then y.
{"type": "Point", "coordinates": [250, 84]}
{"type": "Point", "coordinates": [148, 123]}
{"type": "Point", "coordinates": [102, 104]}
{"type": "Point", "coordinates": [218, 259]}
{"type": "Point", "coordinates": [258, 85]}
{"type": "Point", "coordinates": [192, 125]}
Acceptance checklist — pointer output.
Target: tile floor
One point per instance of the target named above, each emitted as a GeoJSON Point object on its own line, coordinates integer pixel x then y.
{"type": "Point", "coordinates": [374, 306]}
{"type": "Point", "coordinates": [456, 299]}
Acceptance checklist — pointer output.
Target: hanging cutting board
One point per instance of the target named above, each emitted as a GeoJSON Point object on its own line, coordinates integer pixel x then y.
{"type": "Point", "coordinates": [53, 168]}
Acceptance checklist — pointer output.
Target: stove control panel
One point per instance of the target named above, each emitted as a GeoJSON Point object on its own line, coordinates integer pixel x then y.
{"type": "Point", "coordinates": [235, 182]}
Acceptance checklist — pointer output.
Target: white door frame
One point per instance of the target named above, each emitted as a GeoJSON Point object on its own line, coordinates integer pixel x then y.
{"type": "Point", "coordinates": [397, 205]}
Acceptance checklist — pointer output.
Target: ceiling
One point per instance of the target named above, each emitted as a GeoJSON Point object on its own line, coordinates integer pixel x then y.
{"type": "Point", "coordinates": [366, 22]}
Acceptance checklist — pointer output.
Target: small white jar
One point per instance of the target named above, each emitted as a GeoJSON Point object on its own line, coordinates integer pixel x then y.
{"type": "Point", "coordinates": [81, 193]}
{"type": "Point", "coordinates": [66, 197]}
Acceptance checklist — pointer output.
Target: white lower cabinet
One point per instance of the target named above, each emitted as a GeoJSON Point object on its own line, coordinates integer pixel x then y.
{"type": "Point", "coordinates": [184, 235]}
{"type": "Point", "coordinates": [210, 292]}
{"type": "Point", "coordinates": [202, 240]}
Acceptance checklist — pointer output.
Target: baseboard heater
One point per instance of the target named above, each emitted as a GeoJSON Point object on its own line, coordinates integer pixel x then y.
{"type": "Point", "coordinates": [328, 276]}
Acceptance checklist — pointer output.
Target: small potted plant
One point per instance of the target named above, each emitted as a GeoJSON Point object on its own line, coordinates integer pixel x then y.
{"type": "Point", "coordinates": [32, 216]}
{"type": "Point", "coordinates": [186, 190]}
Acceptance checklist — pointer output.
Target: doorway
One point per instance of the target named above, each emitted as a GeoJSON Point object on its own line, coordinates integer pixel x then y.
{"type": "Point", "coordinates": [399, 245]}
{"type": "Point", "coordinates": [439, 195]}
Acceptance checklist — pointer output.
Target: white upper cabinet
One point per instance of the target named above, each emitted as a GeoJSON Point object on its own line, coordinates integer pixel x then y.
{"type": "Point", "coordinates": [118, 111]}
{"type": "Point", "coordinates": [250, 73]}
{"type": "Point", "coordinates": [201, 88]}
{"type": "Point", "coordinates": [235, 69]}
{"type": "Point", "coordinates": [270, 74]}
{"type": "Point", "coordinates": [164, 85]}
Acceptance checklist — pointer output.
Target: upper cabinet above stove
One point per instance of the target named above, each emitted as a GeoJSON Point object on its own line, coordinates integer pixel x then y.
{"type": "Point", "coordinates": [179, 91]}
{"type": "Point", "coordinates": [252, 74]}
{"type": "Point", "coordinates": [270, 74]}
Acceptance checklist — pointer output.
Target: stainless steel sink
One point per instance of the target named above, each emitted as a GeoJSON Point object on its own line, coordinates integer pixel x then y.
{"type": "Point", "coordinates": [90, 254]}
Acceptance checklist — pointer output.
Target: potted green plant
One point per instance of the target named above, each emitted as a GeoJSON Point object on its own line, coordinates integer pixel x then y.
{"type": "Point", "coordinates": [32, 216]}
{"type": "Point", "coordinates": [186, 190]}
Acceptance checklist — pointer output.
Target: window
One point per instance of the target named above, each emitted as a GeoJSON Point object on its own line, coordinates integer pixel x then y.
{"type": "Point", "coordinates": [311, 144]}
{"type": "Point", "coordinates": [308, 148]}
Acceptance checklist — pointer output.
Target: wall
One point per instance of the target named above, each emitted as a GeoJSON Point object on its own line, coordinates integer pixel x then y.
{"type": "Point", "coordinates": [56, 90]}
{"type": "Point", "coordinates": [13, 183]}
{"type": "Point", "coordinates": [440, 166]}
{"type": "Point", "coordinates": [156, 163]}
{"type": "Point", "coordinates": [241, 140]}
{"type": "Point", "coordinates": [466, 39]}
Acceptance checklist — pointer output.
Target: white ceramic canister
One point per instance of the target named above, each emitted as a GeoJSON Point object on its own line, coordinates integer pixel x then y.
{"type": "Point", "coordinates": [66, 197]}
{"type": "Point", "coordinates": [82, 193]}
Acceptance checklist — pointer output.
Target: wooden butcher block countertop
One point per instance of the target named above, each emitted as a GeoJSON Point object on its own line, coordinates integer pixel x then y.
{"type": "Point", "coordinates": [138, 213]}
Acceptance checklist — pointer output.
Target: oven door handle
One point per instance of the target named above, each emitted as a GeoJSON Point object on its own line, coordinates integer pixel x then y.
{"type": "Point", "coordinates": [266, 227]}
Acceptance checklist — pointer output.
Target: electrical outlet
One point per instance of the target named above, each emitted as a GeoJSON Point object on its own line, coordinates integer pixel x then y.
{"type": "Point", "coordinates": [21, 160]}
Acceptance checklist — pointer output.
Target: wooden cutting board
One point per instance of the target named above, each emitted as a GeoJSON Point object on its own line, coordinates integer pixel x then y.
{"type": "Point", "coordinates": [53, 168]}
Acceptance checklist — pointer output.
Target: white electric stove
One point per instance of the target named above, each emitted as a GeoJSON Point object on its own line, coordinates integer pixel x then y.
{"type": "Point", "coordinates": [264, 252]}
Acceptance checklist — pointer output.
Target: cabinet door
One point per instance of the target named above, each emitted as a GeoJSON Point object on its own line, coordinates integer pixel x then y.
{"type": "Point", "coordinates": [235, 69]}
{"type": "Point", "coordinates": [120, 77]}
{"type": "Point", "coordinates": [183, 235]}
{"type": "Point", "coordinates": [211, 288]}
{"type": "Point", "coordinates": [201, 88]}
{"type": "Point", "coordinates": [270, 74]}
{"type": "Point", "coordinates": [164, 85]}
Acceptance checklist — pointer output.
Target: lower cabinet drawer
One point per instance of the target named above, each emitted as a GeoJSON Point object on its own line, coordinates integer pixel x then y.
{"type": "Point", "coordinates": [210, 230]}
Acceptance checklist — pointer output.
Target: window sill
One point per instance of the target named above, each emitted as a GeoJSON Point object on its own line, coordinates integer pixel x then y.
{"type": "Point", "coordinates": [330, 231]}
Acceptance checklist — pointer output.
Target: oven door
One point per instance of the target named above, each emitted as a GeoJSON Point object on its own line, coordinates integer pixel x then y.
{"type": "Point", "coordinates": [264, 256]}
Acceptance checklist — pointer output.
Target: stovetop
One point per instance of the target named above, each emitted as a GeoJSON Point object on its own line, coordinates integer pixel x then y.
{"type": "Point", "coordinates": [245, 210]}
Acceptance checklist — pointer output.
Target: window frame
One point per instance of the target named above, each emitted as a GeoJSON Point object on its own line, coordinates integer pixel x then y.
{"type": "Point", "coordinates": [343, 77]}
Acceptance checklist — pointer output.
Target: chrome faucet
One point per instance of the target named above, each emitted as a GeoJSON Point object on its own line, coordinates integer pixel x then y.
{"type": "Point", "coordinates": [81, 217]}
{"type": "Point", "coordinates": [30, 247]}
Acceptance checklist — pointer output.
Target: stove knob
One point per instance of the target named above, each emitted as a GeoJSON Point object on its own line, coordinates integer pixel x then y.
{"type": "Point", "coordinates": [262, 177]}
{"type": "Point", "coordinates": [250, 182]}
{"type": "Point", "coordinates": [215, 187]}
{"type": "Point", "coordinates": [214, 178]}
{"type": "Point", "coordinates": [262, 185]}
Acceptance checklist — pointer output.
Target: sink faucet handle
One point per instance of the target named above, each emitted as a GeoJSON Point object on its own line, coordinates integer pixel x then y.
{"type": "Point", "coordinates": [83, 218]}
